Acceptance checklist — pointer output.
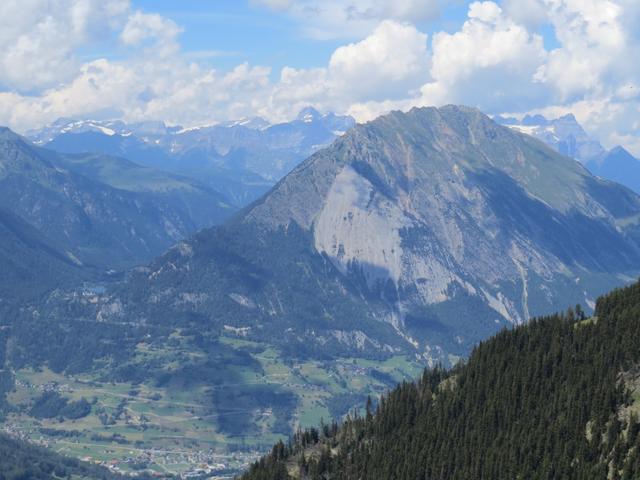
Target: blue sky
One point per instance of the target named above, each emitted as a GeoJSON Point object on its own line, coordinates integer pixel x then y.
{"type": "Point", "coordinates": [241, 31]}
{"type": "Point", "coordinates": [237, 31]}
{"type": "Point", "coordinates": [200, 62]}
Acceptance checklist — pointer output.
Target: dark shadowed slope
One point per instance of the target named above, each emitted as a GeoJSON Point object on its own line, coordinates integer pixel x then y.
{"type": "Point", "coordinates": [30, 265]}
{"type": "Point", "coordinates": [19, 460]}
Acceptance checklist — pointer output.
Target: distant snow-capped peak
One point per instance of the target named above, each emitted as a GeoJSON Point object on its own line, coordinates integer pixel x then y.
{"type": "Point", "coordinates": [564, 134]}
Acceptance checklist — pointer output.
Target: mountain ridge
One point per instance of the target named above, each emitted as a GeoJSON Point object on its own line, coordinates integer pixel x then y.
{"type": "Point", "coordinates": [617, 165]}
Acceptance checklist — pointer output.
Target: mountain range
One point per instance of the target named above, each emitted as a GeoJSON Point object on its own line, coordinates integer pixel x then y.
{"type": "Point", "coordinates": [241, 159]}
{"type": "Point", "coordinates": [421, 232]}
{"type": "Point", "coordinates": [564, 134]}
{"type": "Point", "coordinates": [403, 243]}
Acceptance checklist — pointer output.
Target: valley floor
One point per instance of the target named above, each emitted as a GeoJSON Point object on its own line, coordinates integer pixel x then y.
{"type": "Point", "coordinates": [200, 427]}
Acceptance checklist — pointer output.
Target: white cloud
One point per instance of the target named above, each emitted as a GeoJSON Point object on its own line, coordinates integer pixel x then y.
{"type": "Point", "coordinates": [387, 64]}
{"type": "Point", "coordinates": [592, 73]}
{"type": "Point", "coordinates": [274, 4]}
{"type": "Point", "coordinates": [408, 10]}
{"type": "Point", "coordinates": [593, 45]}
{"type": "Point", "coordinates": [160, 33]}
{"type": "Point", "coordinates": [530, 13]}
{"type": "Point", "coordinates": [38, 38]}
{"type": "Point", "coordinates": [170, 90]}
{"type": "Point", "coordinates": [383, 67]}
{"type": "Point", "coordinates": [491, 63]}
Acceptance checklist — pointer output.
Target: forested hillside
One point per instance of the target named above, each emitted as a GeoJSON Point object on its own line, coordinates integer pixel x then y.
{"type": "Point", "coordinates": [30, 264]}
{"type": "Point", "coordinates": [557, 398]}
{"type": "Point", "coordinates": [21, 461]}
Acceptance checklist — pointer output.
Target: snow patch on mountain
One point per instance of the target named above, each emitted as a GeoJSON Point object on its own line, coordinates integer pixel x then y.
{"type": "Point", "coordinates": [564, 134]}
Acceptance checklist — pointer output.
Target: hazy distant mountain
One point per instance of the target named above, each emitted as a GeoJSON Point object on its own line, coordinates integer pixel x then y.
{"type": "Point", "coordinates": [241, 159]}
{"type": "Point", "coordinates": [102, 211]}
{"type": "Point", "coordinates": [565, 135]}
{"type": "Point", "coordinates": [420, 232]}
{"type": "Point", "coordinates": [617, 165]}
{"type": "Point", "coordinates": [109, 128]}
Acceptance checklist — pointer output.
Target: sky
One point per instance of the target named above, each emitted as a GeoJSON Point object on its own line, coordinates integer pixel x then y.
{"type": "Point", "coordinates": [195, 62]}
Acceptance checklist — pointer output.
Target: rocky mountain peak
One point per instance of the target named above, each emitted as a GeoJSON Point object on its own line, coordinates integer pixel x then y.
{"type": "Point", "coordinates": [396, 201]}
{"type": "Point", "coordinates": [411, 158]}
{"type": "Point", "coordinates": [8, 135]}
{"type": "Point", "coordinates": [569, 118]}
{"type": "Point", "coordinates": [308, 115]}
{"type": "Point", "coordinates": [534, 120]}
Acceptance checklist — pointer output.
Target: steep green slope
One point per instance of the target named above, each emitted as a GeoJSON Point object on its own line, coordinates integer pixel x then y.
{"type": "Point", "coordinates": [104, 212]}
{"type": "Point", "coordinates": [30, 265]}
{"type": "Point", "coordinates": [552, 399]}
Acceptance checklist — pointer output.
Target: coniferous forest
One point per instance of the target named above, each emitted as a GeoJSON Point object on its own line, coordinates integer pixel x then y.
{"type": "Point", "coordinates": [553, 399]}
{"type": "Point", "coordinates": [23, 461]}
